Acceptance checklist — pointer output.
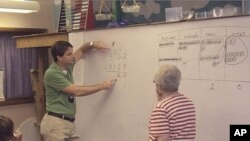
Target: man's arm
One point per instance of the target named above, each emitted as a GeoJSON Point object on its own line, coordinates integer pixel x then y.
{"type": "Point", "coordinates": [87, 90]}
{"type": "Point", "coordinates": [79, 53]}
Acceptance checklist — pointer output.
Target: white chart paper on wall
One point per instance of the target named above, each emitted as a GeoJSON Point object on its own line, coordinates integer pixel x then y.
{"type": "Point", "coordinates": [212, 55]}
{"type": "Point", "coordinates": [113, 113]}
{"type": "Point", "coordinates": [77, 41]}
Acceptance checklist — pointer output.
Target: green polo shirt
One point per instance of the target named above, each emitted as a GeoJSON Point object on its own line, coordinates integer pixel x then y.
{"type": "Point", "coordinates": [55, 80]}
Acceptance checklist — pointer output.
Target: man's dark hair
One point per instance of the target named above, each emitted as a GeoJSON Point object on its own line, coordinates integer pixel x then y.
{"type": "Point", "coordinates": [59, 48]}
{"type": "Point", "coordinates": [6, 128]}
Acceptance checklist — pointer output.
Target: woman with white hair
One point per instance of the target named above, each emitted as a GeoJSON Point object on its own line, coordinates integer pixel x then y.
{"type": "Point", "coordinates": [173, 118]}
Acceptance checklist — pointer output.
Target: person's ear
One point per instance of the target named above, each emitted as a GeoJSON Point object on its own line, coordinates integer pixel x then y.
{"type": "Point", "coordinates": [59, 58]}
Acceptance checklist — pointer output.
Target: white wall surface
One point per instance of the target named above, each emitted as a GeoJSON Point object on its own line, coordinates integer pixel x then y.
{"type": "Point", "coordinates": [24, 118]}
{"type": "Point", "coordinates": [18, 113]}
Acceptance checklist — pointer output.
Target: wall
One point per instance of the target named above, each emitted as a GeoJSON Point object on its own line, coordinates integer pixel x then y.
{"type": "Point", "coordinates": [18, 113]}
{"type": "Point", "coordinates": [23, 116]}
{"type": "Point", "coordinates": [42, 19]}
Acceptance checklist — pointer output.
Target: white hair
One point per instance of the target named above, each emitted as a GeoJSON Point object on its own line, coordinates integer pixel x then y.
{"type": "Point", "coordinates": [168, 77]}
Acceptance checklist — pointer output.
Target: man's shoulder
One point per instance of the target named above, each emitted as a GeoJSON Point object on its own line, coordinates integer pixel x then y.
{"type": "Point", "coordinates": [51, 71]}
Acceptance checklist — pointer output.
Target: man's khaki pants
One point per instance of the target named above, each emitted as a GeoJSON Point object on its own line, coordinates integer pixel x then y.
{"type": "Point", "coordinates": [56, 129]}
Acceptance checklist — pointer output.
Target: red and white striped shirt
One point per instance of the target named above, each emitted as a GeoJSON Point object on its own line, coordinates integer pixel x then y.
{"type": "Point", "coordinates": [174, 116]}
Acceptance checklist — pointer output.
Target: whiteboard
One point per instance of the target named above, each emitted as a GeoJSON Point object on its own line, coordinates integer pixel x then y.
{"type": "Point", "coordinates": [211, 54]}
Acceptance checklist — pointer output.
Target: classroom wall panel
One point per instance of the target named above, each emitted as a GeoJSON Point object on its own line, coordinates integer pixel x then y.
{"type": "Point", "coordinates": [212, 55]}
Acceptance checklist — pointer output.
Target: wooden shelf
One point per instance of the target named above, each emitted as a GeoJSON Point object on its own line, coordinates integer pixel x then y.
{"type": "Point", "coordinates": [23, 30]}
{"type": "Point", "coordinates": [17, 101]}
{"type": "Point", "coordinates": [39, 40]}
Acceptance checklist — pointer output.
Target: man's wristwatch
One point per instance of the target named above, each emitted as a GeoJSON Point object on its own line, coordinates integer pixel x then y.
{"type": "Point", "coordinates": [91, 44]}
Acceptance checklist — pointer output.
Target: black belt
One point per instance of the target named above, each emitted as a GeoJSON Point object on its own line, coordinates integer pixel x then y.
{"type": "Point", "coordinates": [61, 116]}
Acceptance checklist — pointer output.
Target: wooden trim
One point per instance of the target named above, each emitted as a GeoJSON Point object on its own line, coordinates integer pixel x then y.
{"type": "Point", "coordinates": [17, 101]}
{"type": "Point", "coordinates": [39, 40]}
{"type": "Point", "coordinates": [23, 30]}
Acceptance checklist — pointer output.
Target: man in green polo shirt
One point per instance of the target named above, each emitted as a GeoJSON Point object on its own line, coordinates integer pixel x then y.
{"type": "Point", "coordinates": [58, 122]}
